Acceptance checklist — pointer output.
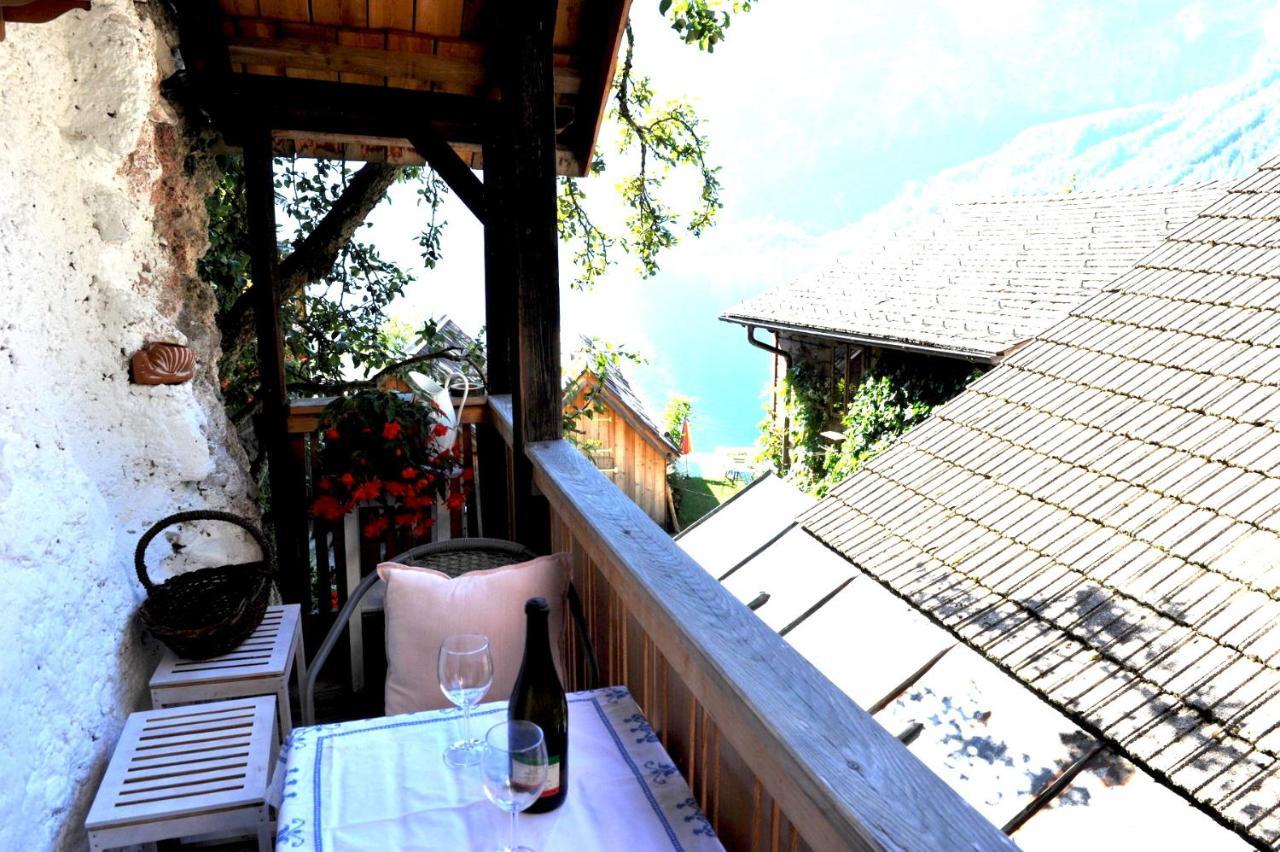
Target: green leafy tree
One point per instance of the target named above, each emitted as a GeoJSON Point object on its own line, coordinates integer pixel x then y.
{"type": "Point", "coordinates": [679, 410]}
{"type": "Point", "coordinates": [592, 364]}
{"type": "Point", "coordinates": [335, 286]}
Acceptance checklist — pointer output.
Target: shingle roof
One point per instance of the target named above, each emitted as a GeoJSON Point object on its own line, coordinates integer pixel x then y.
{"type": "Point", "coordinates": [976, 279]}
{"type": "Point", "coordinates": [449, 335]}
{"type": "Point", "coordinates": [1011, 755]}
{"type": "Point", "coordinates": [1099, 515]}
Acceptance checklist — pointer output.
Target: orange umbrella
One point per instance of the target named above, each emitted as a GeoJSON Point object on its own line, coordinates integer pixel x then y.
{"type": "Point", "coordinates": [686, 446]}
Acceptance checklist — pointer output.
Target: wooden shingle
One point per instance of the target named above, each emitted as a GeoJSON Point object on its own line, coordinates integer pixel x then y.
{"type": "Point", "coordinates": [1100, 514]}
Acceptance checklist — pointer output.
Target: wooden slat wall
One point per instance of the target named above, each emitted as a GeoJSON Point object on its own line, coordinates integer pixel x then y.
{"type": "Point", "coordinates": [741, 811]}
{"type": "Point", "coordinates": [631, 463]}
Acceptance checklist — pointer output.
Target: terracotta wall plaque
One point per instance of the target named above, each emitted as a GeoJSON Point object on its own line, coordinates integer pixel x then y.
{"type": "Point", "coordinates": [162, 364]}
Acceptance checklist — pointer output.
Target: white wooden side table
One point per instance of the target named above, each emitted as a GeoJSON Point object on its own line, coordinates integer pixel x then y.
{"type": "Point", "coordinates": [260, 666]}
{"type": "Point", "coordinates": [189, 771]}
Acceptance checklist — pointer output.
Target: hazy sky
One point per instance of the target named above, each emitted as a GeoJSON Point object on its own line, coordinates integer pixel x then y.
{"type": "Point", "coordinates": [821, 111]}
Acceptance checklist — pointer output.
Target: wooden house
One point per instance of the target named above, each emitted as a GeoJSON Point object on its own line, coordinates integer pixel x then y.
{"type": "Point", "coordinates": [625, 442]}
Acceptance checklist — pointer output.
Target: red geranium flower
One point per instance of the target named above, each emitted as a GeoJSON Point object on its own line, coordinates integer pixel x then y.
{"type": "Point", "coordinates": [396, 489]}
{"type": "Point", "coordinates": [367, 491]}
{"type": "Point", "coordinates": [469, 474]}
{"type": "Point", "coordinates": [391, 430]}
{"type": "Point", "coordinates": [327, 507]}
{"type": "Point", "coordinates": [376, 527]}
{"type": "Point", "coordinates": [455, 501]}
{"type": "Point", "coordinates": [409, 473]}
{"type": "Point", "coordinates": [347, 480]}
{"type": "Point", "coordinates": [440, 430]}
{"type": "Point", "coordinates": [331, 433]}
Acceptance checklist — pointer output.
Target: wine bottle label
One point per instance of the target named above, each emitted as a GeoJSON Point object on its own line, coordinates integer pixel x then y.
{"type": "Point", "coordinates": [525, 774]}
{"type": "Point", "coordinates": [553, 778]}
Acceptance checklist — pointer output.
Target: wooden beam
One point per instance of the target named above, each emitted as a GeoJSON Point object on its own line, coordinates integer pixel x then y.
{"type": "Point", "coordinates": [284, 476]}
{"type": "Point", "coordinates": [603, 30]}
{"type": "Point", "coordinates": [294, 53]}
{"type": "Point", "coordinates": [498, 465]}
{"type": "Point", "coordinates": [347, 109]}
{"type": "Point", "coordinates": [528, 112]}
{"type": "Point", "coordinates": [440, 155]}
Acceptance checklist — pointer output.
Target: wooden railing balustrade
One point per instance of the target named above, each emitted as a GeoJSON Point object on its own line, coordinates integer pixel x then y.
{"type": "Point", "coordinates": [777, 756]}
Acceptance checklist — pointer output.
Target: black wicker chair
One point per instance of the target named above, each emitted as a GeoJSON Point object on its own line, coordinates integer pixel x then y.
{"type": "Point", "coordinates": [454, 558]}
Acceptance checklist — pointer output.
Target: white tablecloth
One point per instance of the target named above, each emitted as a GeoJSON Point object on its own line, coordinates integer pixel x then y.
{"type": "Point", "coordinates": [382, 784]}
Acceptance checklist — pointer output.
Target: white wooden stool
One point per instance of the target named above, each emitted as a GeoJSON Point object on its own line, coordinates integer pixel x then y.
{"type": "Point", "coordinates": [260, 666]}
{"type": "Point", "coordinates": [188, 771]}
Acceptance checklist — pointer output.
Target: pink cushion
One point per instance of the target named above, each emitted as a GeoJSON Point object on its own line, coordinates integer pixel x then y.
{"type": "Point", "coordinates": [424, 606]}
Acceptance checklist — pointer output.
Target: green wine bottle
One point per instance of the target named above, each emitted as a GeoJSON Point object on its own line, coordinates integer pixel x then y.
{"type": "Point", "coordinates": [538, 697]}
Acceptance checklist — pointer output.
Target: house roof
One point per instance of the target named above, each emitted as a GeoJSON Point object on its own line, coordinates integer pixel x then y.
{"type": "Point", "coordinates": [1014, 757]}
{"type": "Point", "coordinates": [976, 279]}
{"type": "Point", "coordinates": [1100, 514]}
{"type": "Point", "coordinates": [449, 335]}
{"type": "Point", "coordinates": [624, 401]}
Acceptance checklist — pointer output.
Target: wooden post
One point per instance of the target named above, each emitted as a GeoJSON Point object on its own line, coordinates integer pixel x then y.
{"type": "Point", "coordinates": [528, 105]}
{"type": "Point", "coordinates": [522, 296]}
{"type": "Point", "coordinates": [495, 479]}
{"type": "Point", "coordinates": [273, 429]}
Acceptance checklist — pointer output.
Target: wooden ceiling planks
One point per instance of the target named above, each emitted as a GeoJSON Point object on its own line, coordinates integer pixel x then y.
{"type": "Point", "coordinates": [378, 58]}
{"type": "Point", "coordinates": [368, 45]}
{"type": "Point", "coordinates": [421, 45]}
{"type": "Point", "coordinates": [346, 13]}
{"type": "Point", "coordinates": [439, 17]}
{"type": "Point", "coordinates": [391, 14]}
{"type": "Point", "coordinates": [285, 10]}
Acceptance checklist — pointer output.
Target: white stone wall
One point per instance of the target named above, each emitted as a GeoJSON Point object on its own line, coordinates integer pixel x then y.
{"type": "Point", "coordinates": [100, 227]}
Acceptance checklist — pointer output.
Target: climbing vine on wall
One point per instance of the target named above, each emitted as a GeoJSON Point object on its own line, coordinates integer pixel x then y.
{"type": "Point", "coordinates": [897, 393]}
{"type": "Point", "coordinates": [792, 441]}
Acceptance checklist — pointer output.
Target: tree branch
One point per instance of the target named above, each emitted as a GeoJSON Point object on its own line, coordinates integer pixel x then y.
{"type": "Point", "coordinates": [315, 256]}
{"type": "Point", "coordinates": [452, 353]}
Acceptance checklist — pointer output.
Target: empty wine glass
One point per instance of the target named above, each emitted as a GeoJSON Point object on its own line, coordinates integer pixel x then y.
{"type": "Point", "coordinates": [515, 770]}
{"type": "Point", "coordinates": [465, 667]}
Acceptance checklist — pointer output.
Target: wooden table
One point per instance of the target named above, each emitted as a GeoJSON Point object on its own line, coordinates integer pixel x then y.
{"type": "Point", "coordinates": [260, 666]}
{"type": "Point", "coordinates": [188, 771]}
{"type": "Point", "coordinates": [382, 784]}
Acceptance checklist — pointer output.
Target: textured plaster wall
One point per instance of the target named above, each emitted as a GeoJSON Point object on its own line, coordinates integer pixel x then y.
{"type": "Point", "coordinates": [101, 221]}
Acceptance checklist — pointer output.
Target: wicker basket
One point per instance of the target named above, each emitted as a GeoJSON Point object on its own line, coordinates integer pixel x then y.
{"type": "Point", "coordinates": [209, 611]}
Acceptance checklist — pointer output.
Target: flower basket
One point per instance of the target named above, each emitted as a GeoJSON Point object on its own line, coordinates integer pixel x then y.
{"type": "Point", "coordinates": [381, 452]}
{"type": "Point", "coordinates": [210, 611]}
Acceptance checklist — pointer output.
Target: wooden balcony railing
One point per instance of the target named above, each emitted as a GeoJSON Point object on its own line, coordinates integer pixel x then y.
{"type": "Point", "coordinates": [777, 756]}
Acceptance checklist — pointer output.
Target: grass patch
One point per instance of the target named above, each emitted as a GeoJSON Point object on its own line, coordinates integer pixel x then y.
{"type": "Point", "coordinates": [699, 496]}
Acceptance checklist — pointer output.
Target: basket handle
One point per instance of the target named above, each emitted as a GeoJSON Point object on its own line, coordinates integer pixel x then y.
{"type": "Point", "coordinates": [268, 555]}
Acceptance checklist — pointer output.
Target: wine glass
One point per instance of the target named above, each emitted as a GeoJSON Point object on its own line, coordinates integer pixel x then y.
{"type": "Point", "coordinates": [465, 667]}
{"type": "Point", "coordinates": [515, 770]}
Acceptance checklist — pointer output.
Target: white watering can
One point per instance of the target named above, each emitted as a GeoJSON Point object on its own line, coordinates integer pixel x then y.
{"type": "Point", "coordinates": [425, 386]}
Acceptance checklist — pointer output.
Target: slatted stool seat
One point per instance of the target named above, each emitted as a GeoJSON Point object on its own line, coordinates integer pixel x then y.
{"type": "Point", "coordinates": [188, 771]}
{"type": "Point", "coordinates": [260, 666]}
